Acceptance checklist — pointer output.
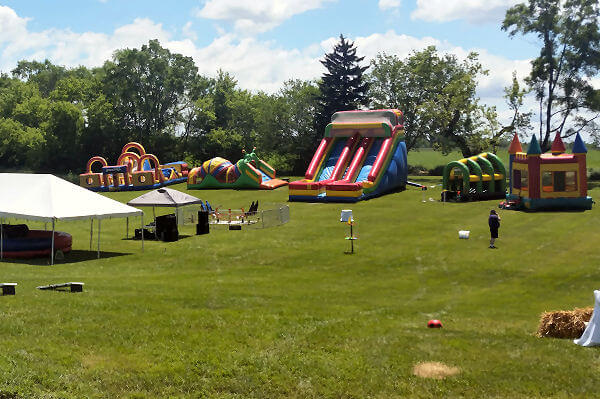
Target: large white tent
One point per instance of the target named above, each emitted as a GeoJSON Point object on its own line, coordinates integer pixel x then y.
{"type": "Point", "coordinates": [47, 198]}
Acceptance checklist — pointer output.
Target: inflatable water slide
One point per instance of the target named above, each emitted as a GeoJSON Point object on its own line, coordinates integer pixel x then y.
{"type": "Point", "coordinates": [363, 155]}
{"type": "Point", "coordinates": [249, 172]}
{"type": "Point", "coordinates": [133, 171]}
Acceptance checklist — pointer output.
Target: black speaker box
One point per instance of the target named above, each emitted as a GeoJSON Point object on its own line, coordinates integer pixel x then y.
{"type": "Point", "coordinates": [202, 227]}
{"type": "Point", "coordinates": [166, 228]}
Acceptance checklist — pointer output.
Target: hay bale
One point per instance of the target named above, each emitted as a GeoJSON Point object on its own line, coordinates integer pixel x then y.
{"type": "Point", "coordinates": [564, 323]}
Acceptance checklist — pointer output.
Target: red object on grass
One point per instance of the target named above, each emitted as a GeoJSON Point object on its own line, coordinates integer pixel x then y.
{"type": "Point", "coordinates": [434, 324]}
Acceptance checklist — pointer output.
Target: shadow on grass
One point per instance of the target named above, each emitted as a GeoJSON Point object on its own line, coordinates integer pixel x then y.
{"type": "Point", "coordinates": [153, 239]}
{"type": "Point", "coordinates": [75, 256]}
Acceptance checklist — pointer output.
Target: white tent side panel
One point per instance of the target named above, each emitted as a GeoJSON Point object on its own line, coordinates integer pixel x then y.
{"type": "Point", "coordinates": [591, 334]}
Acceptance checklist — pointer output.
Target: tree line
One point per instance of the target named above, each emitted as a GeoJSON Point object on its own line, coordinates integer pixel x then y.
{"type": "Point", "coordinates": [53, 118]}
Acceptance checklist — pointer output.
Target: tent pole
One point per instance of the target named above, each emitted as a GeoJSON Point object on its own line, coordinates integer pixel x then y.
{"type": "Point", "coordinates": [142, 231]}
{"type": "Point", "coordinates": [91, 231]}
{"type": "Point", "coordinates": [52, 249]}
{"type": "Point", "coordinates": [127, 228]}
{"type": "Point", "coordinates": [99, 221]}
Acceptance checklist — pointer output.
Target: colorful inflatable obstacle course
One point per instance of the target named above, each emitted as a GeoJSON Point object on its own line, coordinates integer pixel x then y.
{"type": "Point", "coordinates": [363, 155]}
{"type": "Point", "coordinates": [551, 181]}
{"type": "Point", "coordinates": [249, 172]}
{"type": "Point", "coordinates": [481, 177]}
{"type": "Point", "coordinates": [133, 171]}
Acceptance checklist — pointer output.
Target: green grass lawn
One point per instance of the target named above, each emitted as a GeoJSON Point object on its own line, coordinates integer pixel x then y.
{"type": "Point", "coordinates": [284, 312]}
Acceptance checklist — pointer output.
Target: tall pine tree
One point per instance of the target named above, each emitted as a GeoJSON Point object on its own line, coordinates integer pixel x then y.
{"type": "Point", "coordinates": [342, 87]}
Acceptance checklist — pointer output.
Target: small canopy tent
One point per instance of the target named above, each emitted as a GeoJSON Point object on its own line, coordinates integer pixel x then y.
{"type": "Point", "coordinates": [165, 197]}
{"type": "Point", "coordinates": [47, 198]}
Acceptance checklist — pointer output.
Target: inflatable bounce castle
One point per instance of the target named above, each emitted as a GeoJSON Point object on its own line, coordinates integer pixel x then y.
{"type": "Point", "coordinates": [249, 172]}
{"type": "Point", "coordinates": [551, 181]}
{"type": "Point", "coordinates": [363, 155]}
{"type": "Point", "coordinates": [481, 177]}
{"type": "Point", "coordinates": [132, 171]}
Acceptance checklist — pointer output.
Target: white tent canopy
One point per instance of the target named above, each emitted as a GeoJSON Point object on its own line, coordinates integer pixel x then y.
{"type": "Point", "coordinates": [165, 197]}
{"type": "Point", "coordinates": [47, 198]}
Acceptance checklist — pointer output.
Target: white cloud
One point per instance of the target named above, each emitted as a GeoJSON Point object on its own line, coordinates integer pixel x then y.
{"type": "Point", "coordinates": [258, 15]}
{"type": "Point", "coordinates": [474, 11]}
{"type": "Point", "coordinates": [65, 47]}
{"type": "Point", "coordinates": [500, 73]}
{"type": "Point", "coordinates": [392, 43]}
{"type": "Point", "coordinates": [389, 4]}
{"type": "Point", "coordinates": [257, 65]}
{"type": "Point", "coordinates": [188, 31]}
{"type": "Point", "coordinates": [11, 25]}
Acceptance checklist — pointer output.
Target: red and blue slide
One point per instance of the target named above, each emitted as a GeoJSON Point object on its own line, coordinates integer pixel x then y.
{"type": "Point", "coordinates": [363, 155]}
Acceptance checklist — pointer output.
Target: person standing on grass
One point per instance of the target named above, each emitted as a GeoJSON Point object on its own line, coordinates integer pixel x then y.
{"type": "Point", "coordinates": [494, 222]}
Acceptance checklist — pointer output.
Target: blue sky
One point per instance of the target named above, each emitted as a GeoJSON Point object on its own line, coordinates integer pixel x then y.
{"type": "Point", "coordinates": [263, 42]}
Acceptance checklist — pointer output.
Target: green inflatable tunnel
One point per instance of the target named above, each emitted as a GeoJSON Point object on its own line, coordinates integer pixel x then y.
{"type": "Point", "coordinates": [480, 177]}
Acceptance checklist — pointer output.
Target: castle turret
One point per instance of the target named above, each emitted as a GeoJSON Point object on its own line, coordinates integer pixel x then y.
{"type": "Point", "coordinates": [558, 147]}
{"type": "Point", "coordinates": [515, 146]}
{"type": "Point", "coordinates": [580, 153]}
{"type": "Point", "coordinates": [534, 161]}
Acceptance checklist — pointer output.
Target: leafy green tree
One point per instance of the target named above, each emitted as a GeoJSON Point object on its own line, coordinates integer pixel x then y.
{"type": "Point", "coordinates": [342, 87]}
{"type": "Point", "coordinates": [569, 34]}
{"type": "Point", "coordinates": [211, 123]}
{"type": "Point", "coordinates": [62, 132]}
{"type": "Point", "coordinates": [437, 95]}
{"type": "Point", "coordinates": [273, 135]}
{"type": "Point", "coordinates": [197, 119]}
{"type": "Point", "coordinates": [19, 145]}
{"type": "Point", "coordinates": [148, 87]}
{"type": "Point", "coordinates": [76, 90]}
{"type": "Point", "coordinates": [221, 121]}
{"type": "Point", "coordinates": [14, 92]}
{"type": "Point", "coordinates": [102, 134]}
{"type": "Point", "coordinates": [224, 90]}
{"type": "Point", "coordinates": [301, 107]}
{"type": "Point", "coordinates": [45, 74]}
{"type": "Point", "coordinates": [32, 111]}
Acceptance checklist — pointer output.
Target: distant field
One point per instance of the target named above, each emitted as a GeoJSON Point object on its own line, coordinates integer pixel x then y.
{"type": "Point", "coordinates": [284, 313]}
{"type": "Point", "coordinates": [430, 159]}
